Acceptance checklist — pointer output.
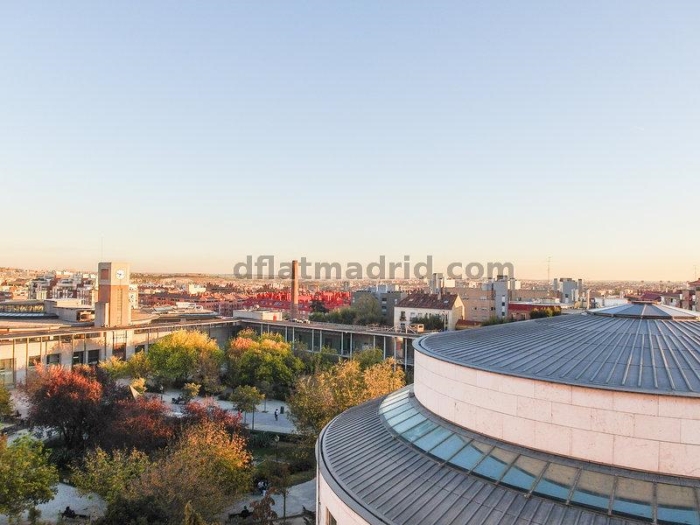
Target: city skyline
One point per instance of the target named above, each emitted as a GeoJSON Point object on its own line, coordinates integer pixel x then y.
{"type": "Point", "coordinates": [184, 138]}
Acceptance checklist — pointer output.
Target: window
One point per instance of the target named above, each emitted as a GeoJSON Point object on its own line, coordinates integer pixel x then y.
{"type": "Point", "coordinates": [77, 358]}
{"type": "Point", "coordinates": [119, 351]}
{"type": "Point", "coordinates": [6, 371]}
{"type": "Point", "coordinates": [93, 357]}
{"type": "Point", "coordinates": [34, 360]}
{"type": "Point", "coordinates": [330, 520]}
{"type": "Point", "coordinates": [53, 359]}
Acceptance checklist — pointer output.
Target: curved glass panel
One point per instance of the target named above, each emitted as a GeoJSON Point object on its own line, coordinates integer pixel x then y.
{"type": "Point", "coordinates": [676, 505]}
{"type": "Point", "coordinates": [544, 476]}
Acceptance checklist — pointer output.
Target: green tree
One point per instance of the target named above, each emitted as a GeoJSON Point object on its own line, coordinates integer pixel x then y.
{"type": "Point", "coordinates": [246, 399]}
{"type": "Point", "coordinates": [317, 306]}
{"type": "Point", "coordinates": [107, 475]}
{"type": "Point", "coordinates": [368, 357]}
{"type": "Point", "coordinates": [115, 368]}
{"type": "Point", "coordinates": [368, 310]}
{"type": "Point", "coordinates": [6, 406]}
{"type": "Point", "coordinates": [26, 477]}
{"type": "Point", "coordinates": [190, 391]}
{"type": "Point", "coordinates": [430, 322]}
{"type": "Point", "coordinates": [186, 356]}
{"type": "Point", "coordinates": [253, 359]}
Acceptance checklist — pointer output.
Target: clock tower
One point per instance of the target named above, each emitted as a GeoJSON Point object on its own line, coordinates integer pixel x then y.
{"type": "Point", "coordinates": [112, 307]}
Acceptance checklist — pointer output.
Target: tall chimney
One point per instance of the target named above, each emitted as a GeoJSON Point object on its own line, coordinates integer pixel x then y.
{"type": "Point", "coordinates": [294, 307]}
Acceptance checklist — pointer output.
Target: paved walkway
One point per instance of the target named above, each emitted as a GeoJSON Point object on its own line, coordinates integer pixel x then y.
{"type": "Point", "coordinates": [302, 495]}
{"type": "Point", "coordinates": [66, 495]}
{"type": "Point", "coordinates": [264, 415]}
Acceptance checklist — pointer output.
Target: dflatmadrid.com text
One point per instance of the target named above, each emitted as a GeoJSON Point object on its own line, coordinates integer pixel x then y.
{"type": "Point", "coordinates": [264, 267]}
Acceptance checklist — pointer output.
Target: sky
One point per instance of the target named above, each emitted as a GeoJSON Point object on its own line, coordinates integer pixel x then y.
{"type": "Point", "coordinates": [185, 136]}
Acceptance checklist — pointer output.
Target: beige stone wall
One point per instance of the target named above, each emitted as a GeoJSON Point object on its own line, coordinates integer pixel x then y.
{"type": "Point", "coordinates": [330, 502]}
{"type": "Point", "coordinates": [648, 432]}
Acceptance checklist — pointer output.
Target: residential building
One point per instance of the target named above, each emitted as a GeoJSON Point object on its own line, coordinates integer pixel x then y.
{"type": "Point", "coordinates": [449, 307]}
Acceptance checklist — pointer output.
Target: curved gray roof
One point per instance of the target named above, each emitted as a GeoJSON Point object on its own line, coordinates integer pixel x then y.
{"type": "Point", "coordinates": [603, 350]}
{"type": "Point", "coordinates": [386, 480]}
{"type": "Point", "coordinates": [645, 310]}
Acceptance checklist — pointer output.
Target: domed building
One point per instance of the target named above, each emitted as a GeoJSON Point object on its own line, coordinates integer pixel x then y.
{"type": "Point", "coordinates": [577, 419]}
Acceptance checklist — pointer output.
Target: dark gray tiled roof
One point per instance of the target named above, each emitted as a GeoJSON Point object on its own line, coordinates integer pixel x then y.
{"type": "Point", "coordinates": [659, 356]}
{"type": "Point", "coordinates": [386, 481]}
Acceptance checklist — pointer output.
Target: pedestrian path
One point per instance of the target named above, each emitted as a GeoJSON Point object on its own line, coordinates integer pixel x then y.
{"type": "Point", "coordinates": [299, 497]}
{"type": "Point", "coordinates": [264, 413]}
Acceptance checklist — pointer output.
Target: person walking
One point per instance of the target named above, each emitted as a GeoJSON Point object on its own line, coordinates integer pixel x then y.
{"type": "Point", "coordinates": [276, 414]}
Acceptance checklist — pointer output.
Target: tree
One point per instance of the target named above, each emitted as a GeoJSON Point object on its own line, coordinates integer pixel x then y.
{"type": "Point", "coordinates": [139, 365]}
{"type": "Point", "coordinates": [68, 400]}
{"type": "Point", "coordinates": [277, 473]}
{"type": "Point", "coordinates": [206, 467]}
{"type": "Point", "coordinates": [262, 510]}
{"type": "Point", "coordinates": [6, 406]}
{"type": "Point", "coordinates": [196, 414]}
{"type": "Point", "coordinates": [115, 368]}
{"type": "Point", "coordinates": [184, 356]}
{"type": "Point", "coordinates": [253, 359]}
{"type": "Point", "coordinates": [145, 510]}
{"type": "Point", "coordinates": [190, 391]}
{"type": "Point", "coordinates": [317, 306]}
{"type": "Point", "coordinates": [192, 517]}
{"type": "Point", "coordinates": [430, 322]}
{"type": "Point", "coordinates": [26, 477]}
{"type": "Point", "coordinates": [368, 357]}
{"type": "Point", "coordinates": [109, 474]}
{"type": "Point", "coordinates": [316, 361]}
{"type": "Point", "coordinates": [142, 424]}
{"type": "Point", "coordinates": [368, 310]}
{"type": "Point", "coordinates": [246, 399]}
{"type": "Point", "coordinates": [382, 378]}
{"type": "Point", "coordinates": [318, 398]}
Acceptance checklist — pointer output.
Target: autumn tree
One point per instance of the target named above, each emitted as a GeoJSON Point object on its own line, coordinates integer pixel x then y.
{"type": "Point", "coordinates": [246, 399]}
{"type": "Point", "coordinates": [263, 514]}
{"type": "Point", "coordinates": [198, 413]}
{"type": "Point", "coordinates": [206, 467]}
{"type": "Point", "coordinates": [186, 356]}
{"type": "Point", "coordinates": [70, 401]}
{"type": "Point", "coordinates": [318, 398]}
{"type": "Point", "coordinates": [142, 423]}
{"type": "Point", "coordinates": [26, 477]}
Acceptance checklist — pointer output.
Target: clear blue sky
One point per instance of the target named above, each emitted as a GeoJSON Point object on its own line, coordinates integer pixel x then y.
{"type": "Point", "coordinates": [183, 136]}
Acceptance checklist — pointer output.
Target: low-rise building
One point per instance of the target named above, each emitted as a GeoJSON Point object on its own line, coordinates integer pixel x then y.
{"type": "Point", "coordinates": [448, 307]}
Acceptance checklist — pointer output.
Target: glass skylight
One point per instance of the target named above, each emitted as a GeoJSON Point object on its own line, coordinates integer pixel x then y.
{"type": "Point", "coordinates": [540, 474]}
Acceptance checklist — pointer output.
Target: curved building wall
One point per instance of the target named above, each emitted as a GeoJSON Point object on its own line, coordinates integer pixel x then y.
{"type": "Point", "coordinates": [331, 503]}
{"type": "Point", "coordinates": [655, 433]}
